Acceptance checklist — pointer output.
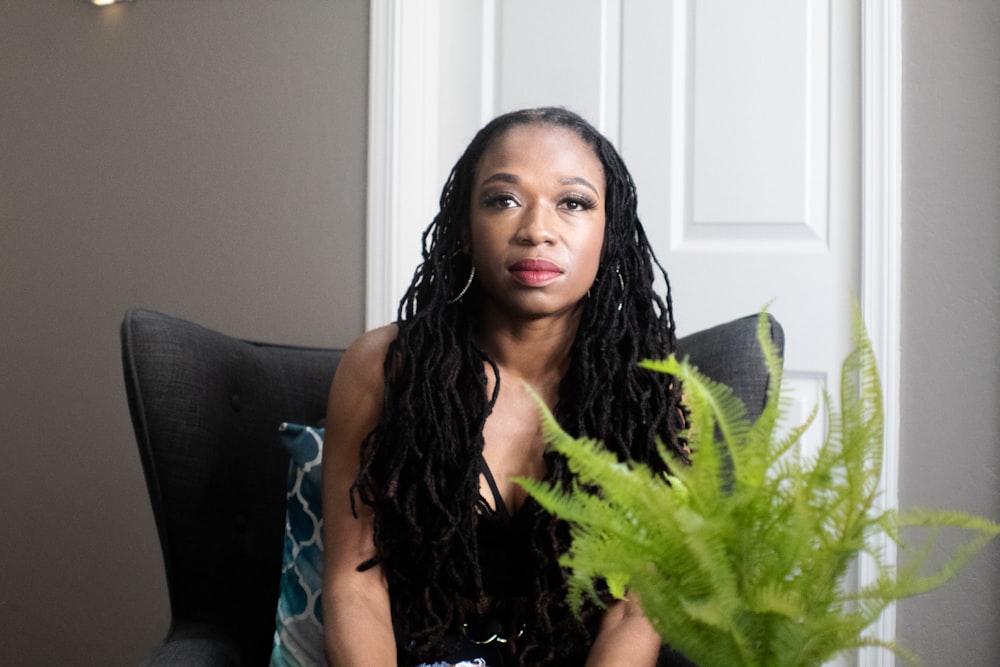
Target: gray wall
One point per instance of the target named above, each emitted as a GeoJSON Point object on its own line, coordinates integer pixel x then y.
{"type": "Point", "coordinates": [205, 158]}
{"type": "Point", "coordinates": [951, 308]}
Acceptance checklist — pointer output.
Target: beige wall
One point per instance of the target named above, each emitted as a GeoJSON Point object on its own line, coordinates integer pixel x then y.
{"type": "Point", "coordinates": [951, 308]}
{"type": "Point", "coordinates": [202, 158]}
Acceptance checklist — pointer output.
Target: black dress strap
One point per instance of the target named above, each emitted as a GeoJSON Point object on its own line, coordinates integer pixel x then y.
{"type": "Point", "coordinates": [501, 507]}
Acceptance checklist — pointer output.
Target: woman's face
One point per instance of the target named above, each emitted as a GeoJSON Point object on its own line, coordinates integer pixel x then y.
{"type": "Point", "coordinates": [536, 223]}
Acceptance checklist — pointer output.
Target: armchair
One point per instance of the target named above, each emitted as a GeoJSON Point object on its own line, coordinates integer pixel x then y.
{"type": "Point", "coordinates": [206, 407]}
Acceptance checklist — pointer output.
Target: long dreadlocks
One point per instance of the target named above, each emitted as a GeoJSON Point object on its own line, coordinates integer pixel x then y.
{"type": "Point", "coordinates": [419, 467]}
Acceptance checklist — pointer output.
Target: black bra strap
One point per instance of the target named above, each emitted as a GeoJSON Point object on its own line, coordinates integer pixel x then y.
{"type": "Point", "coordinates": [501, 506]}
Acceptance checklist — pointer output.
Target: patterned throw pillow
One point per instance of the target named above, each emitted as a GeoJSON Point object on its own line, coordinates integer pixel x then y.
{"type": "Point", "coordinates": [298, 635]}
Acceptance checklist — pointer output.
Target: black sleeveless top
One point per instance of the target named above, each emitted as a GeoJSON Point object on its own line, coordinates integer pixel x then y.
{"type": "Point", "coordinates": [493, 626]}
{"type": "Point", "coordinates": [504, 542]}
{"type": "Point", "coordinates": [505, 561]}
{"type": "Point", "coordinates": [510, 572]}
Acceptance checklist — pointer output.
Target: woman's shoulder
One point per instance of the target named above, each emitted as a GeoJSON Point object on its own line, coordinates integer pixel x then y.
{"type": "Point", "coordinates": [365, 357]}
{"type": "Point", "coordinates": [372, 344]}
{"type": "Point", "coordinates": [360, 377]}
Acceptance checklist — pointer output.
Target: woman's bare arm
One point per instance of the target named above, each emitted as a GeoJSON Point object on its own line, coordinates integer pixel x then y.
{"type": "Point", "coordinates": [357, 619]}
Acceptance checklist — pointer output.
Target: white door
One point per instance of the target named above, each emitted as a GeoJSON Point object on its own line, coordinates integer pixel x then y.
{"type": "Point", "coordinates": [739, 119]}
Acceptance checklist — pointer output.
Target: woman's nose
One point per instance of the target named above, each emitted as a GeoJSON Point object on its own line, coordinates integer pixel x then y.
{"type": "Point", "coordinates": [536, 226]}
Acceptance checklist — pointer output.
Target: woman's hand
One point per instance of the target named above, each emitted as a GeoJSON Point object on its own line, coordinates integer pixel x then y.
{"type": "Point", "coordinates": [626, 637]}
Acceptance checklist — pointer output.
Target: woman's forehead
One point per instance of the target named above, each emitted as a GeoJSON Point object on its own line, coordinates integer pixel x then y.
{"type": "Point", "coordinates": [540, 148]}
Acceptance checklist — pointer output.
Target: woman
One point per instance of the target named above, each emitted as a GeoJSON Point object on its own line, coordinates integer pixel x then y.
{"type": "Point", "coordinates": [536, 273]}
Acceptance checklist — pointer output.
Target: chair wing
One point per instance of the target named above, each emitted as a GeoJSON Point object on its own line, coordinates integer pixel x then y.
{"type": "Point", "coordinates": [205, 408]}
{"type": "Point", "coordinates": [730, 353]}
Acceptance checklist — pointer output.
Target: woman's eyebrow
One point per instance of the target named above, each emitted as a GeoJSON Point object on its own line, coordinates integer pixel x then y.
{"type": "Point", "coordinates": [576, 180]}
{"type": "Point", "coordinates": [504, 177]}
{"type": "Point", "coordinates": [501, 177]}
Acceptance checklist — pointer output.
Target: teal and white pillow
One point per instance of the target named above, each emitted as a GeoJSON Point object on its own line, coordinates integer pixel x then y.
{"type": "Point", "coordinates": [298, 635]}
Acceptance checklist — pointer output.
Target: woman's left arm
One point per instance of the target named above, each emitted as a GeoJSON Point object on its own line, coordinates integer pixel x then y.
{"type": "Point", "coordinates": [625, 637]}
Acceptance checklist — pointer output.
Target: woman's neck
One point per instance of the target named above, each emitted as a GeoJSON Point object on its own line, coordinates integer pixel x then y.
{"type": "Point", "coordinates": [534, 350]}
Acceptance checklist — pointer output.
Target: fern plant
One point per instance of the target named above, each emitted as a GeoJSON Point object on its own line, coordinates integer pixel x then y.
{"type": "Point", "coordinates": [742, 558]}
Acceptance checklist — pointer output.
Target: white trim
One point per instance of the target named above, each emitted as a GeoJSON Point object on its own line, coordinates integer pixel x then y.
{"type": "Point", "coordinates": [609, 109]}
{"type": "Point", "coordinates": [383, 145]}
{"type": "Point", "coordinates": [680, 144]}
{"type": "Point", "coordinates": [880, 261]}
{"type": "Point", "coordinates": [487, 94]}
{"type": "Point", "coordinates": [403, 140]}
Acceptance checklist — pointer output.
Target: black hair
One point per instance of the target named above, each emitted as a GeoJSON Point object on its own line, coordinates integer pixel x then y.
{"type": "Point", "coordinates": [420, 469]}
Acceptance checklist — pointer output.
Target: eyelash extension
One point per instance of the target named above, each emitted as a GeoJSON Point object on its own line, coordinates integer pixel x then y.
{"type": "Point", "coordinates": [586, 203]}
{"type": "Point", "coordinates": [493, 198]}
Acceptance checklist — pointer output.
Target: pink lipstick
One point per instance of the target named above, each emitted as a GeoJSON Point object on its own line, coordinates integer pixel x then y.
{"type": "Point", "coordinates": [534, 272]}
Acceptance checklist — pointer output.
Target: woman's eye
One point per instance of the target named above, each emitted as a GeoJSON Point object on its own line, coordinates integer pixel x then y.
{"type": "Point", "coordinates": [578, 204]}
{"type": "Point", "coordinates": [501, 201]}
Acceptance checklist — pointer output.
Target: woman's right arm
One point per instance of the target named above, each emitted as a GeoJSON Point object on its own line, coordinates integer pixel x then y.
{"type": "Point", "coordinates": [357, 619]}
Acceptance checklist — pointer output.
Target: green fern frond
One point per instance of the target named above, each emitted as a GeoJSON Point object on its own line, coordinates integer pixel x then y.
{"type": "Point", "coordinates": [741, 558]}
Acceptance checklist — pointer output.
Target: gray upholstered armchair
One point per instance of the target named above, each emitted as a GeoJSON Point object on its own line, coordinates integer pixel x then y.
{"type": "Point", "coordinates": [206, 408]}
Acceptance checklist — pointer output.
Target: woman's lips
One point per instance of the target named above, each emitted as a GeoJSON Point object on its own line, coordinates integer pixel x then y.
{"type": "Point", "coordinates": [534, 272]}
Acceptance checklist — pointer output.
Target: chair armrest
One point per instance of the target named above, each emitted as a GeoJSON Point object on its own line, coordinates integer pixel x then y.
{"type": "Point", "coordinates": [195, 646]}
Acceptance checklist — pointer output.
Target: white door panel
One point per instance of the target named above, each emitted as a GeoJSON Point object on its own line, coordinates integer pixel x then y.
{"type": "Point", "coordinates": [729, 118]}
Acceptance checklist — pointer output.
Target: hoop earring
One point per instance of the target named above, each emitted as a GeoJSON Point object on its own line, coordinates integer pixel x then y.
{"type": "Point", "coordinates": [621, 283]}
{"type": "Point", "coordinates": [468, 284]}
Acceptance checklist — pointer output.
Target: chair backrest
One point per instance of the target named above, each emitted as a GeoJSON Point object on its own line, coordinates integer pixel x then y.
{"type": "Point", "coordinates": [730, 353]}
{"type": "Point", "coordinates": [206, 408]}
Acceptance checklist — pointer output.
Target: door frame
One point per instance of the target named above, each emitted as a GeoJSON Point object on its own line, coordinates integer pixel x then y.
{"type": "Point", "coordinates": [404, 134]}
